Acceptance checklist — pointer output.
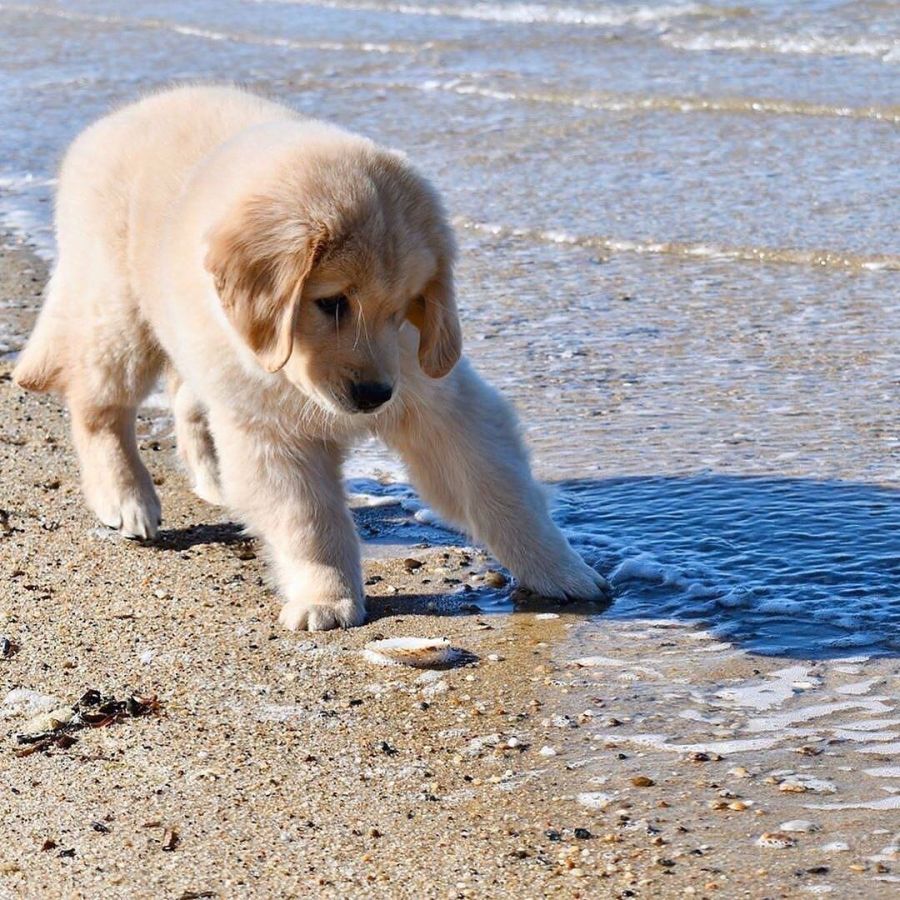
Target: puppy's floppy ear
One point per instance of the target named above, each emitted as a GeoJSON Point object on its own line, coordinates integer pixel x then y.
{"type": "Point", "coordinates": [260, 266]}
{"type": "Point", "coordinates": [434, 314]}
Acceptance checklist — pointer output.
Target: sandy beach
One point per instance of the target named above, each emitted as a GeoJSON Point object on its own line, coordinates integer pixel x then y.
{"type": "Point", "coordinates": [677, 226]}
{"type": "Point", "coordinates": [557, 758]}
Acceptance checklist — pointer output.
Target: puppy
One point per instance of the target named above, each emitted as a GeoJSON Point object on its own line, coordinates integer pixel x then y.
{"type": "Point", "coordinates": [296, 281]}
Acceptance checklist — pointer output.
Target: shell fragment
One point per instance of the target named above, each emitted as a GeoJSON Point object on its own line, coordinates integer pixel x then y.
{"type": "Point", "coordinates": [423, 653]}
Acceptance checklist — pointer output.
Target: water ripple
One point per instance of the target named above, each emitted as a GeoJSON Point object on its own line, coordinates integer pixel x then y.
{"type": "Point", "coordinates": [781, 565]}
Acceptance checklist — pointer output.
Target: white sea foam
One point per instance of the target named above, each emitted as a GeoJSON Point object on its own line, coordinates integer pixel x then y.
{"type": "Point", "coordinates": [521, 13]}
{"type": "Point", "coordinates": [810, 44]}
{"type": "Point", "coordinates": [372, 500]}
{"type": "Point", "coordinates": [865, 725]}
{"type": "Point", "coordinates": [882, 803]}
{"type": "Point", "coordinates": [772, 692]}
{"type": "Point", "coordinates": [725, 747]}
{"type": "Point", "coordinates": [861, 736]}
{"type": "Point", "coordinates": [859, 687]}
{"type": "Point", "coordinates": [807, 713]}
{"type": "Point", "coordinates": [835, 259]}
{"type": "Point", "coordinates": [886, 749]}
{"type": "Point", "coordinates": [20, 198]}
{"type": "Point", "coordinates": [609, 102]}
{"type": "Point", "coordinates": [208, 34]}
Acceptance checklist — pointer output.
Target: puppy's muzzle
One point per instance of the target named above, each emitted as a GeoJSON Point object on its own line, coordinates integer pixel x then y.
{"type": "Point", "coordinates": [369, 395]}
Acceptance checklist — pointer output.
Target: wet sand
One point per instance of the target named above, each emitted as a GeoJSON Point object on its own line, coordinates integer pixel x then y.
{"type": "Point", "coordinates": [285, 764]}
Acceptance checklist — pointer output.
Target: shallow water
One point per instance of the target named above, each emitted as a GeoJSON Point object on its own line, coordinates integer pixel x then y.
{"type": "Point", "coordinates": [679, 256]}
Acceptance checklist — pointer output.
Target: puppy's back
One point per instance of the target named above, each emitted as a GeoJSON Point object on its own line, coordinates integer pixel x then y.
{"type": "Point", "coordinates": [126, 170]}
{"type": "Point", "coordinates": [118, 182]}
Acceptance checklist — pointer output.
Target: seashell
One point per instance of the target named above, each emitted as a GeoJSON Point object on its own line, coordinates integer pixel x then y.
{"type": "Point", "coordinates": [777, 840]}
{"type": "Point", "coordinates": [423, 653]}
{"type": "Point", "coordinates": [48, 721]}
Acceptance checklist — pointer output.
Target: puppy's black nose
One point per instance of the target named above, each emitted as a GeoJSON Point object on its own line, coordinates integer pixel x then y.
{"type": "Point", "coordinates": [369, 395]}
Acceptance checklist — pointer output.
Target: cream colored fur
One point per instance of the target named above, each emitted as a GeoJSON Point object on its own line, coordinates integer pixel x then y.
{"type": "Point", "coordinates": [197, 229]}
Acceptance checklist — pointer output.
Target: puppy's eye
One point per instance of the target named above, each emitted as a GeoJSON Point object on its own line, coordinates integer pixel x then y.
{"type": "Point", "coordinates": [334, 307]}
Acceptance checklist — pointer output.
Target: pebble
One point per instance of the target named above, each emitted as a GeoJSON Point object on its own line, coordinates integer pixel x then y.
{"type": "Point", "coordinates": [792, 787]}
{"type": "Point", "coordinates": [547, 751]}
{"type": "Point", "coordinates": [642, 781]}
{"type": "Point", "coordinates": [495, 579]}
{"type": "Point", "coordinates": [543, 617]}
{"type": "Point", "coordinates": [800, 784]}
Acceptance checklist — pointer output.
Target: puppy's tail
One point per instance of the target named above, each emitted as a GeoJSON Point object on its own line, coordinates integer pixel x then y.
{"type": "Point", "coordinates": [41, 364]}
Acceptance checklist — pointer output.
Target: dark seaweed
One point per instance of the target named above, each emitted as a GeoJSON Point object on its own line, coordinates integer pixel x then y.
{"type": "Point", "coordinates": [93, 710]}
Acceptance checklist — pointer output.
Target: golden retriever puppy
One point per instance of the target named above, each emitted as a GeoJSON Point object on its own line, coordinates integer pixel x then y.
{"type": "Point", "coordinates": [296, 281]}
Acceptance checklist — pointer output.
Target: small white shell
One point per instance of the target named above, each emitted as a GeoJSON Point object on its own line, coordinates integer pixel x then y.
{"type": "Point", "coordinates": [48, 721]}
{"type": "Point", "coordinates": [423, 653]}
{"type": "Point", "coordinates": [594, 799]}
{"type": "Point", "coordinates": [777, 840]}
{"type": "Point", "coordinates": [798, 825]}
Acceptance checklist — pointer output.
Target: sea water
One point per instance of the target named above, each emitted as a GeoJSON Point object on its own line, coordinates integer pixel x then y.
{"type": "Point", "coordinates": [679, 258]}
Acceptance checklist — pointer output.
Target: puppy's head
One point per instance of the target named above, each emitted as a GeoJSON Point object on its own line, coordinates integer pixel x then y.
{"type": "Point", "coordinates": [319, 270]}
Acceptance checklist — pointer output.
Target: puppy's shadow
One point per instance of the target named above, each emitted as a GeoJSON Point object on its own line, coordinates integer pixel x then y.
{"type": "Point", "coordinates": [180, 539]}
{"type": "Point", "coordinates": [481, 603]}
{"type": "Point", "coordinates": [788, 566]}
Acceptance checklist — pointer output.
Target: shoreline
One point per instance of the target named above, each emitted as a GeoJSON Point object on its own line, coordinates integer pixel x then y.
{"type": "Point", "coordinates": [287, 764]}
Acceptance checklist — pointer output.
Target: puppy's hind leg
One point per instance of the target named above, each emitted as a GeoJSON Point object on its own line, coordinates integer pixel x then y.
{"type": "Point", "coordinates": [111, 367]}
{"type": "Point", "coordinates": [460, 442]}
{"type": "Point", "coordinates": [195, 441]}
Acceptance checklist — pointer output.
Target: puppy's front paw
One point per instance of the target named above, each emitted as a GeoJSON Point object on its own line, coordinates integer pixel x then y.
{"type": "Point", "coordinates": [568, 579]}
{"type": "Point", "coordinates": [134, 510]}
{"type": "Point", "coordinates": [303, 615]}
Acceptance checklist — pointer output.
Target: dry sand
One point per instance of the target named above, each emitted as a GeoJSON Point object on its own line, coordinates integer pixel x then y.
{"type": "Point", "coordinates": [285, 764]}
